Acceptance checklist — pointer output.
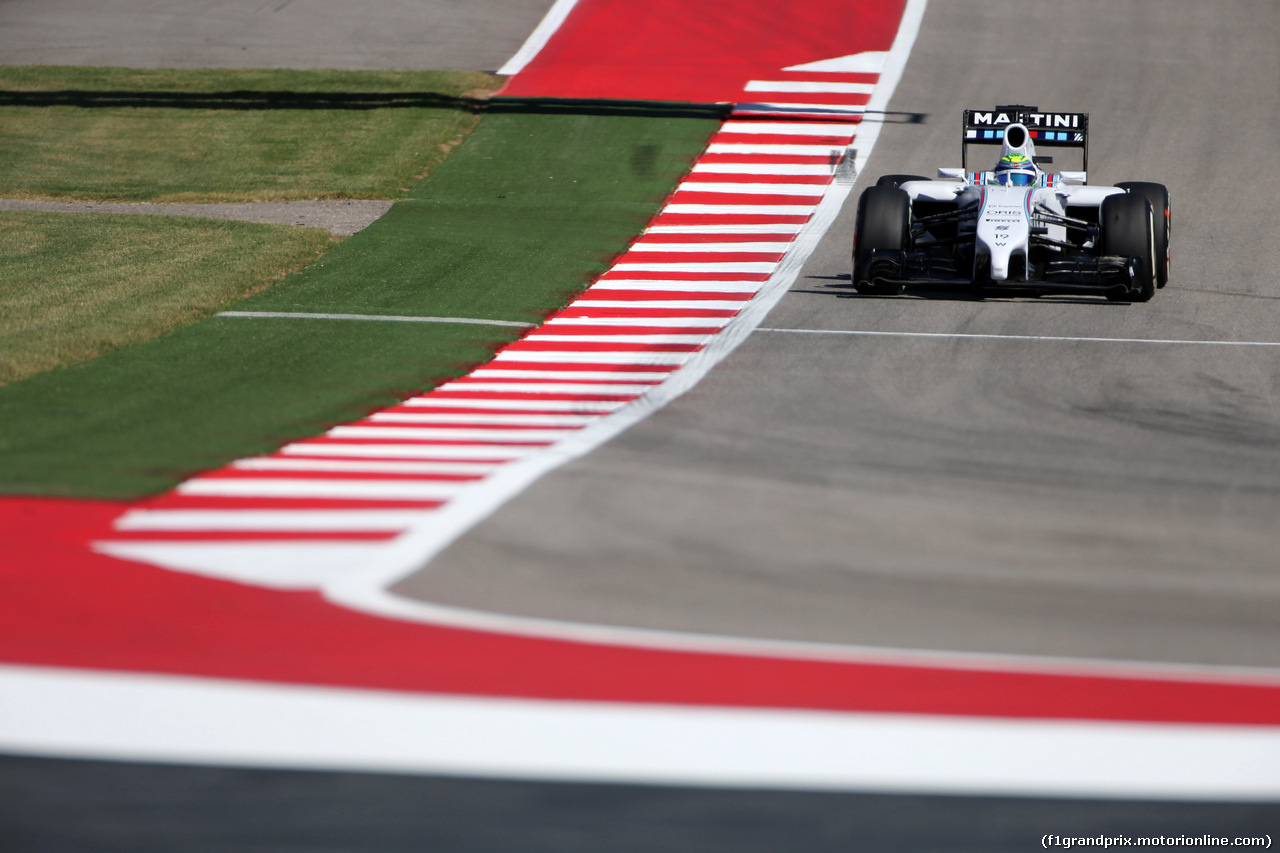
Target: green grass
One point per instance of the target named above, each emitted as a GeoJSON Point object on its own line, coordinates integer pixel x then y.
{"type": "Point", "coordinates": [511, 226]}
{"type": "Point", "coordinates": [74, 286]}
{"type": "Point", "coordinates": [119, 134]}
{"type": "Point", "coordinates": [515, 223]}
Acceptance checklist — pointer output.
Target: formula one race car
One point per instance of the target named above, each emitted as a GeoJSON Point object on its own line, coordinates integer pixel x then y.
{"type": "Point", "coordinates": [1016, 229]}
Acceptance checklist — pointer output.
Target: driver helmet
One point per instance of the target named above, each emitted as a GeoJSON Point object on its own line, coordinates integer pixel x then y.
{"type": "Point", "coordinates": [1016, 170]}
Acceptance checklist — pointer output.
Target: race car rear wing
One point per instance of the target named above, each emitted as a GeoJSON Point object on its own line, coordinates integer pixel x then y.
{"type": "Point", "coordinates": [1069, 130]}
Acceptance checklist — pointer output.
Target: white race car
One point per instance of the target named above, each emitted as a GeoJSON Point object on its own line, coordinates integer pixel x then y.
{"type": "Point", "coordinates": [1015, 229]}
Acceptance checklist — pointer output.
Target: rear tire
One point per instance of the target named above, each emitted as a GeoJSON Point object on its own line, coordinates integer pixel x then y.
{"type": "Point", "coordinates": [884, 222]}
{"type": "Point", "coordinates": [896, 181]}
{"type": "Point", "coordinates": [1161, 222]}
{"type": "Point", "coordinates": [1127, 231]}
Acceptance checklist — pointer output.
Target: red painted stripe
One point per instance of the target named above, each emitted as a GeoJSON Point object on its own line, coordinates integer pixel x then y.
{"type": "Point", "coordinates": [668, 50]}
{"type": "Point", "coordinates": [835, 140]}
{"type": "Point", "coordinates": [724, 237]}
{"type": "Point", "coordinates": [732, 219]}
{"type": "Point", "coordinates": [839, 99]}
{"type": "Point", "coordinates": [66, 606]}
{"type": "Point", "coordinates": [702, 197]}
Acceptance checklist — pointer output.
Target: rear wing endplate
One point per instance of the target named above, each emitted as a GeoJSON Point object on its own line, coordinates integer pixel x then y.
{"type": "Point", "coordinates": [1069, 130]}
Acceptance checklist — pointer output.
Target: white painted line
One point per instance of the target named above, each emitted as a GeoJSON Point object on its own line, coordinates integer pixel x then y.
{"type": "Point", "coordinates": [1043, 338]}
{"type": "Point", "coordinates": [614, 339]}
{"type": "Point", "coordinates": [539, 37]}
{"type": "Point", "coordinates": [390, 450]}
{"type": "Point", "coordinates": [317, 488]}
{"type": "Point", "coordinates": [593, 357]}
{"type": "Point", "coordinates": [244, 520]}
{"type": "Point", "coordinates": [585, 388]}
{"type": "Point", "coordinates": [713, 228]}
{"type": "Point", "coordinates": [467, 435]}
{"type": "Point", "coordinates": [572, 406]}
{"type": "Point", "coordinates": [383, 318]}
{"type": "Point", "coordinates": [687, 304]}
{"type": "Point", "coordinates": [500, 419]}
{"type": "Point", "coordinates": [672, 322]}
{"type": "Point", "coordinates": [810, 109]}
{"type": "Point", "coordinates": [867, 62]}
{"type": "Point", "coordinates": [569, 376]}
{"type": "Point", "coordinates": [353, 466]}
{"type": "Point", "coordinates": [661, 284]}
{"type": "Point", "coordinates": [748, 247]}
{"type": "Point", "coordinates": [783, 149]}
{"type": "Point", "coordinates": [813, 169]}
{"type": "Point", "coordinates": [174, 719]}
{"type": "Point", "coordinates": [741, 209]}
{"type": "Point", "coordinates": [751, 189]}
{"type": "Point", "coordinates": [810, 86]}
{"type": "Point", "coordinates": [291, 565]}
{"type": "Point", "coordinates": [766, 128]}
{"type": "Point", "coordinates": [697, 266]}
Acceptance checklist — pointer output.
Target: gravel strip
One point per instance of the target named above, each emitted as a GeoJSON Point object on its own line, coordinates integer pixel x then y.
{"type": "Point", "coordinates": [340, 218]}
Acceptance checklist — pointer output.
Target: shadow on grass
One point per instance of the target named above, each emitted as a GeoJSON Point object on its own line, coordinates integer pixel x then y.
{"type": "Point", "coordinates": [286, 100]}
{"type": "Point", "coordinates": [240, 100]}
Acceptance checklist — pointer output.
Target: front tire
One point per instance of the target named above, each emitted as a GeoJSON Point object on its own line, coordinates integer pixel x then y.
{"type": "Point", "coordinates": [1161, 222]}
{"type": "Point", "coordinates": [1127, 231]}
{"type": "Point", "coordinates": [884, 222]}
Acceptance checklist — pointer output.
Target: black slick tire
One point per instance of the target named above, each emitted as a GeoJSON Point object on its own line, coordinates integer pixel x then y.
{"type": "Point", "coordinates": [884, 222]}
{"type": "Point", "coordinates": [1161, 222]}
{"type": "Point", "coordinates": [1127, 231]}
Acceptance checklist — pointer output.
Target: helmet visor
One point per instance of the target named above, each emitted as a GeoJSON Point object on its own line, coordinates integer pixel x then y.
{"type": "Point", "coordinates": [1016, 179]}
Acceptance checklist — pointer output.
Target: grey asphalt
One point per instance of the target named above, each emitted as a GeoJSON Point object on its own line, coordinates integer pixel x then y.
{"type": "Point", "coordinates": [463, 35]}
{"type": "Point", "coordinates": [1071, 498]}
{"type": "Point", "coordinates": [111, 807]}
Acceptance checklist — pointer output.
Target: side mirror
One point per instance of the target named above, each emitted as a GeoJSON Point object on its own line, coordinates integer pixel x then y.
{"type": "Point", "coordinates": [951, 174]}
{"type": "Point", "coordinates": [1075, 178]}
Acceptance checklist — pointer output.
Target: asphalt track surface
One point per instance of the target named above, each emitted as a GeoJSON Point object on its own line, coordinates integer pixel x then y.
{"type": "Point", "coordinates": [433, 35]}
{"type": "Point", "coordinates": [1069, 497]}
